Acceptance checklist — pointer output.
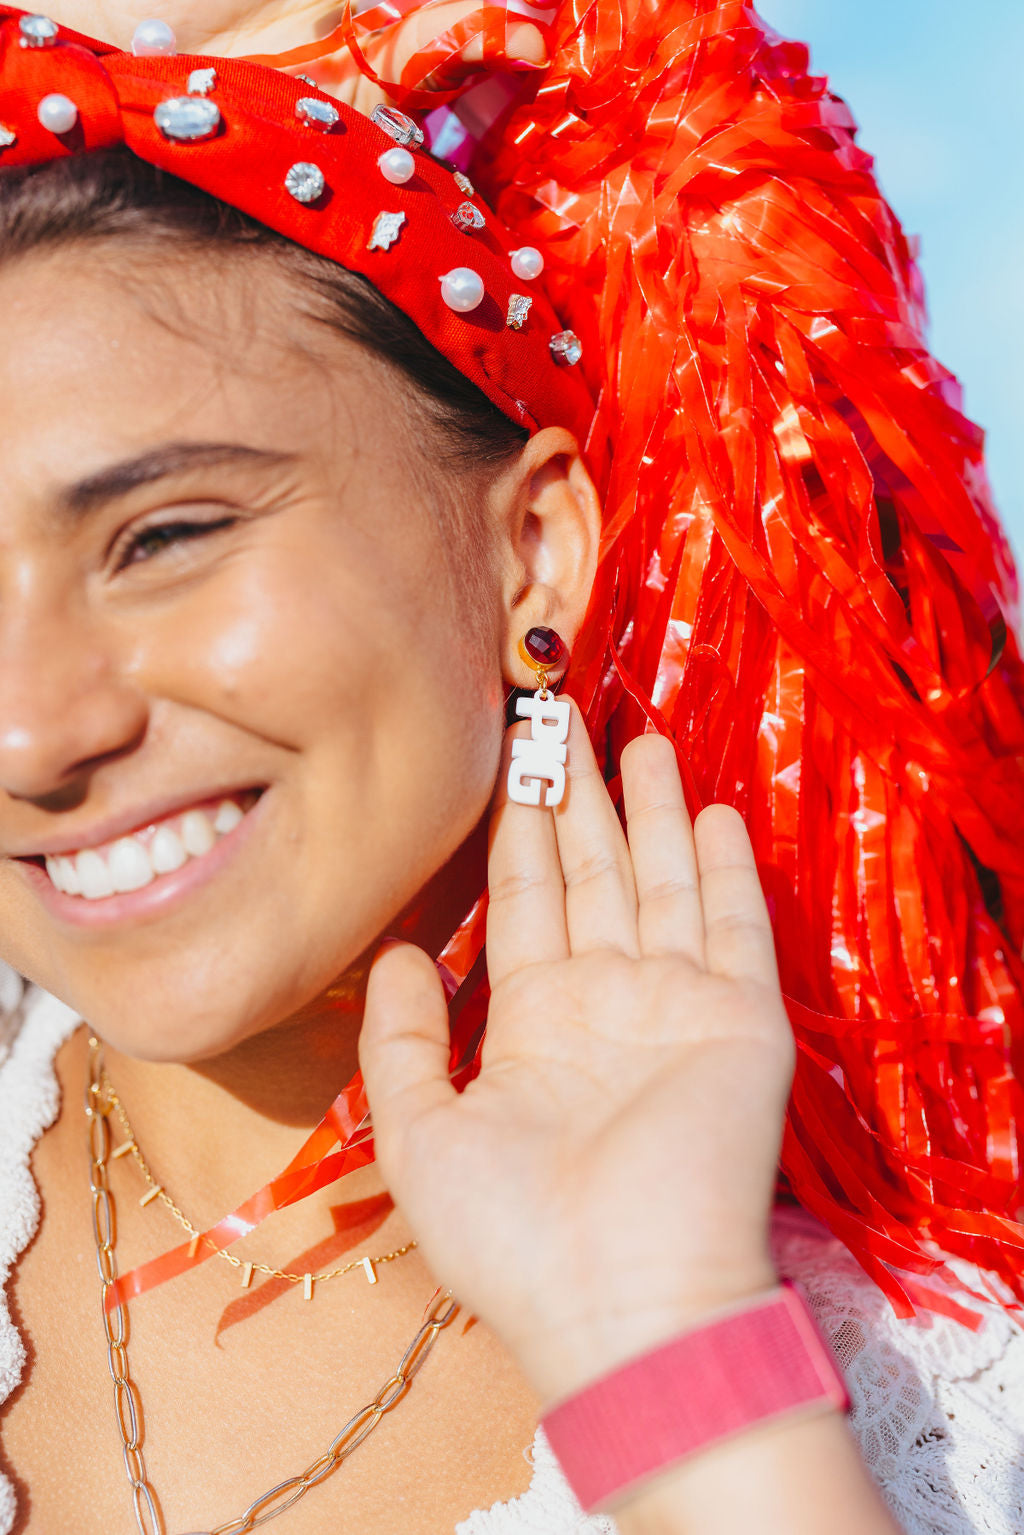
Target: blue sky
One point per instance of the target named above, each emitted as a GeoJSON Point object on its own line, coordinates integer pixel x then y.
{"type": "Point", "coordinates": [936, 89]}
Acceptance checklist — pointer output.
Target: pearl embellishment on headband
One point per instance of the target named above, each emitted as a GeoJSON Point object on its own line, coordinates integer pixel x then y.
{"type": "Point", "coordinates": [397, 166]}
{"type": "Point", "coordinates": [37, 32]}
{"type": "Point", "coordinates": [317, 114]}
{"type": "Point", "coordinates": [187, 119]}
{"type": "Point", "coordinates": [401, 128]}
{"type": "Point", "coordinates": [467, 216]}
{"type": "Point", "coordinates": [152, 39]}
{"type": "Point", "coordinates": [462, 289]}
{"type": "Point", "coordinates": [305, 182]}
{"type": "Point", "coordinates": [527, 263]}
{"type": "Point", "coordinates": [57, 113]}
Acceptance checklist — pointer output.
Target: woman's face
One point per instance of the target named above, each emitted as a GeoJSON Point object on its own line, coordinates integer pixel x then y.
{"type": "Point", "coordinates": [235, 670]}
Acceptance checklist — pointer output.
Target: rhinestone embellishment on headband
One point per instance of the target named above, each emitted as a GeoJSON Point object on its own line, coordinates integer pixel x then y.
{"type": "Point", "coordinates": [467, 216]}
{"type": "Point", "coordinates": [305, 182]}
{"type": "Point", "coordinates": [37, 32]}
{"type": "Point", "coordinates": [8, 137]}
{"type": "Point", "coordinates": [317, 114]}
{"type": "Point", "coordinates": [464, 184]}
{"type": "Point", "coordinates": [519, 306]}
{"type": "Point", "coordinates": [567, 348]}
{"type": "Point", "coordinates": [386, 229]}
{"type": "Point", "coordinates": [401, 128]}
{"type": "Point", "coordinates": [201, 82]}
{"type": "Point", "coordinates": [187, 119]}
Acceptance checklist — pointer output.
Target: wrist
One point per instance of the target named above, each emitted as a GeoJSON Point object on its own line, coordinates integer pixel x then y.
{"type": "Point", "coordinates": [603, 1334]}
{"type": "Point", "coordinates": [754, 1364]}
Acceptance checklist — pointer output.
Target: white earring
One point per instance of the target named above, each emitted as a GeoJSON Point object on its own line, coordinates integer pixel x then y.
{"type": "Point", "coordinates": [540, 758]}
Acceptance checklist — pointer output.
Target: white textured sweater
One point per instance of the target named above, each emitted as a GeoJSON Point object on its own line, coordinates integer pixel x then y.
{"type": "Point", "coordinates": [938, 1410]}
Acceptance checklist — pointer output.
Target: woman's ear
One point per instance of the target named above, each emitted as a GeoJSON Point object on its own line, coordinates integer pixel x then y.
{"type": "Point", "coordinates": [549, 515]}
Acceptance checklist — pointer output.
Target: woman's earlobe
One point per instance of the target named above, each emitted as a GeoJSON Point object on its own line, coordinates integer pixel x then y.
{"type": "Point", "coordinates": [555, 533]}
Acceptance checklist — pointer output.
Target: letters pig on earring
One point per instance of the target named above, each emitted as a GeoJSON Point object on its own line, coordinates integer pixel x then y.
{"type": "Point", "coordinates": [540, 758]}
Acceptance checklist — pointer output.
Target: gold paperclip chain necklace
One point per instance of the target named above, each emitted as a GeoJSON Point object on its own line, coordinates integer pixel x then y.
{"type": "Point", "coordinates": [128, 1403]}
{"type": "Point", "coordinates": [155, 1190]}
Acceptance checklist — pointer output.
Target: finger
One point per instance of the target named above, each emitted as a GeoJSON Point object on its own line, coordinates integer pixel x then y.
{"type": "Point", "coordinates": [738, 939]}
{"type": "Point", "coordinates": [526, 893]}
{"type": "Point", "coordinates": [524, 44]}
{"type": "Point", "coordinates": [670, 919]}
{"type": "Point", "coordinates": [600, 893]}
{"type": "Point", "coordinates": [403, 1049]}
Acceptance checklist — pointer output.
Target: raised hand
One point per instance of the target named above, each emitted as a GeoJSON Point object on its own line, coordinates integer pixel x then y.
{"type": "Point", "coordinates": [607, 1179]}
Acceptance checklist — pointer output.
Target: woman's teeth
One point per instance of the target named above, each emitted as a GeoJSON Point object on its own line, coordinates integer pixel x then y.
{"type": "Point", "coordinates": [131, 863]}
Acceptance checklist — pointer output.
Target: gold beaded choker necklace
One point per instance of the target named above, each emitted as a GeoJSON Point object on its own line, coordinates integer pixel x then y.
{"type": "Point", "coordinates": [105, 1093]}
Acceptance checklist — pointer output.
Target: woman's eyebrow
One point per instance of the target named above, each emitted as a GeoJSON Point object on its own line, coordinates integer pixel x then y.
{"type": "Point", "coordinates": [78, 500]}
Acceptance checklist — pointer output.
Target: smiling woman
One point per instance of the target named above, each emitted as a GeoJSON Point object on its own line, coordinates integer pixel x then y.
{"type": "Point", "coordinates": [308, 486]}
{"type": "Point", "coordinates": [216, 581]}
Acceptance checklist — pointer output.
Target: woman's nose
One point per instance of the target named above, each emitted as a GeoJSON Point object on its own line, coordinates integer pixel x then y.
{"type": "Point", "coordinates": [66, 705]}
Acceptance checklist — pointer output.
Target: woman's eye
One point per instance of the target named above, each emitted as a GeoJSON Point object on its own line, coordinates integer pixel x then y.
{"type": "Point", "coordinates": [142, 546]}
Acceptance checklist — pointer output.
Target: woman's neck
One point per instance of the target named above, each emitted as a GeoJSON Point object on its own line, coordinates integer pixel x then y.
{"type": "Point", "coordinates": [218, 1129]}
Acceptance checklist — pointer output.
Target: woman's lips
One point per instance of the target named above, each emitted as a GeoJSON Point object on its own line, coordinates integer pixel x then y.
{"type": "Point", "coordinates": [145, 872]}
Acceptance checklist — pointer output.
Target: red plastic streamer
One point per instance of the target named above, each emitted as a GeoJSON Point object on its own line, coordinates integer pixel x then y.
{"type": "Point", "coordinates": [804, 583]}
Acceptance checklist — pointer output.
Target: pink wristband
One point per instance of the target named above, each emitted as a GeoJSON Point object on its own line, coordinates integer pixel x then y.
{"type": "Point", "coordinates": [744, 1367]}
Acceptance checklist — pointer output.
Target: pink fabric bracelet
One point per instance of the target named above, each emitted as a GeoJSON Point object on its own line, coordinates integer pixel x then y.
{"type": "Point", "coordinates": [746, 1366]}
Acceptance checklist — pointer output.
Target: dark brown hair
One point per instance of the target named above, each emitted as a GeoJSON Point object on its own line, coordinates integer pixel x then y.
{"type": "Point", "coordinates": [113, 195]}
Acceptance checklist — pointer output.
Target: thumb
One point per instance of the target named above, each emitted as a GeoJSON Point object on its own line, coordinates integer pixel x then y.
{"type": "Point", "coordinates": [403, 1049]}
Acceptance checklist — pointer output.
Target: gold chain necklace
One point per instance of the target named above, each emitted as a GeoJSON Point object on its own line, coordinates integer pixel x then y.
{"type": "Point", "coordinates": [128, 1404]}
{"type": "Point", "coordinates": [155, 1190]}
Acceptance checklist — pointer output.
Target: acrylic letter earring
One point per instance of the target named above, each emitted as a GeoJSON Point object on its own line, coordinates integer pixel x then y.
{"type": "Point", "coordinates": [540, 758]}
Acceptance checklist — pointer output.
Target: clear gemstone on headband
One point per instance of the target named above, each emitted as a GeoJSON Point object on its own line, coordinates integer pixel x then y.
{"type": "Point", "coordinates": [201, 82]}
{"type": "Point", "coordinates": [187, 119]}
{"type": "Point", "coordinates": [527, 263]}
{"type": "Point", "coordinates": [57, 113]}
{"type": "Point", "coordinates": [468, 216]}
{"type": "Point", "coordinates": [401, 128]}
{"type": "Point", "coordinates": [317, 114]}
{"type": "Point", "coordinates": [305, 182]}
{"type": "Point", "coordinates": [567, 348]}
{"type": "Point", "coordinates": [386, 229]}
{"type": "Point", "coordinates": [462, 289]}
{"type": "Point", "coordinates": [37, 32]}
{"type": "Point", "coordinates": [519, 307]}
{"type": "Point", "coordinates": [464, 184]}
{"type": "Point", "coordinates": [7, 137]}
{"type": "Point", "coordinates": [154, 38]}
{"type": "Point", "coordinates": [308, 80]}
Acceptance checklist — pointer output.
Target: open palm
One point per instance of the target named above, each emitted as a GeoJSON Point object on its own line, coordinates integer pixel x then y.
{"type": "Point", "coordinates": [609, 1174]}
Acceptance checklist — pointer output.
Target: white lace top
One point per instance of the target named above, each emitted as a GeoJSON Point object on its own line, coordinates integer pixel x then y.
{"type": "Point", "coordinates": [938, 1409]}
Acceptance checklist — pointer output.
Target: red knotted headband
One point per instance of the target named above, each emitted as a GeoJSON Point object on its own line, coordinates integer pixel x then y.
{"type": "Point", "coordinates": [308, 167]}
